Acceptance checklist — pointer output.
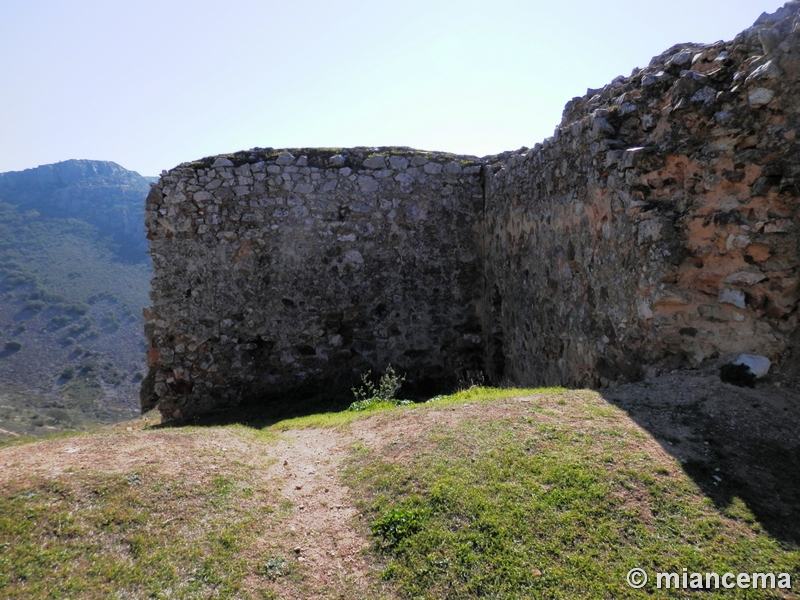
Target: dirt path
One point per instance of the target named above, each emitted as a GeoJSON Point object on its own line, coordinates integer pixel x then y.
{"type": "Point", "coordinates": [321, 527]}
{"type": "Point", "coordinates": [301, 467]}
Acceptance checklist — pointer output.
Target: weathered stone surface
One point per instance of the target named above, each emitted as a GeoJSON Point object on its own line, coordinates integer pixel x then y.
{"type": "Point", "coordinates": [271, 288]}
{"type": "Point", "coordinates": [760, 96]}
{"type": "Point", "coordinates": [375, 162]}
{"type": "Point", "coordinates": [285, 158]}
{"type": "Point", "coordinates": [657, 228]}
{"type": "Point", "coordinates": [604, 263]}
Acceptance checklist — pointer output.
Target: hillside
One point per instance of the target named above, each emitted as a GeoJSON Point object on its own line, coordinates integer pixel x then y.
{"type": "Point", "coordinates": [483, 494]}
{"type": "Point", "coordinates": [73, 282]}
{"type": "Point", "coordinates": [100, 193]}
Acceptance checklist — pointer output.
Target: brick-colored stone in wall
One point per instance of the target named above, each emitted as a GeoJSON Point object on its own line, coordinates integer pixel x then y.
{"type": "Point", "coordinates": [658, 227]}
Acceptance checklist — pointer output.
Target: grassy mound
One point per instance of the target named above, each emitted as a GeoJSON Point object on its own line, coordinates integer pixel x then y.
{"type": "Point", "coordinates": [483, 494]}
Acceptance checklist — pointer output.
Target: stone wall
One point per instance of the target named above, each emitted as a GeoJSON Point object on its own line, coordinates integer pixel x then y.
{"type": "Point", "coordinates": [658, 228]}
{"type": "Point", "coordinates": [285, 270]}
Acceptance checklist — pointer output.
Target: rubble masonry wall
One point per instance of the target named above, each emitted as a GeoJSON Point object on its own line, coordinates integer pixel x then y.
{"type": "Point", "coordinates": [278, 271]}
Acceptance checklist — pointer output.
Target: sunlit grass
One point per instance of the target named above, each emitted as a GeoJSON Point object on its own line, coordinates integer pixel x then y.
{"type": "Point", "coordinates": [560, 500]}
{"type": "Point", "coordinates": [548, 493]}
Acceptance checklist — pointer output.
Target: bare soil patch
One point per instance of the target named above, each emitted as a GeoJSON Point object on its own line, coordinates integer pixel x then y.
{"type": "Point", "coordinates": [323, 531]}
{"type": "Point", "coordinates": [733, 441]}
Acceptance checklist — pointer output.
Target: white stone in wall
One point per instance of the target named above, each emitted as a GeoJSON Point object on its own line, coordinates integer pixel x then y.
{"type": "Point", "coordinates": [758, 365]}
{"type": "Point", "coordinates": [731, 296]}
{"type": "Point", "coordinates": [760, 97]}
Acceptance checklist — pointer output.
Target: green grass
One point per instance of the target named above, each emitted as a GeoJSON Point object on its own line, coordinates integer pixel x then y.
{"type": "Point", "coordinates": [539, 507]}
{"type": "Point", "coordinates": [139, 534]}
{"type": "Point", "coordinates": [557, 495]}
{"type": "Point", "coordinates": [489, 394]}
{"type": "Point", "coordinates": [334, 419]}
{"type": "Point", "coordinates": [344, 418]}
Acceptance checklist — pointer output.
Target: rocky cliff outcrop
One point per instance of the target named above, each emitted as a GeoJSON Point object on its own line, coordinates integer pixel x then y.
{"type": "Point", "coordinates": [657, 228]}
{"type": "Point", "coordinates": [99, 192]}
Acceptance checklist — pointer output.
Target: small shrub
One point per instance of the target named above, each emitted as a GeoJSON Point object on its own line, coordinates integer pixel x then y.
{"type": "Point", "coordinates": [274, 567]}
{"type": "Point", "coordinates": [60, 320]}
{"type": "Point", "coordinates": [396, 525]}
{"type": "Point", "coordinates": [35, 305]}
{"type": "Point", "coordinates": [59, 415]}
{"type": "Point", "coordinates": [87, 367]}
{"type": "Point", "coordinates": [369, 394]}
{"type": "Point", "coordinates": [76, 309]}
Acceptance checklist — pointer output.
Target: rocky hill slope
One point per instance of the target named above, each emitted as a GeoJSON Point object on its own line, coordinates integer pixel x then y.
{"type": "Point", "coordinates": [100, 193]}
{"type": "Point", "coordinates": [73, 281]}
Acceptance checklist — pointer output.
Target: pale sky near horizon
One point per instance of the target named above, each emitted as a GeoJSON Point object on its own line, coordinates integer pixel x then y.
{"type": "Point", "coordinates": [152, 84]}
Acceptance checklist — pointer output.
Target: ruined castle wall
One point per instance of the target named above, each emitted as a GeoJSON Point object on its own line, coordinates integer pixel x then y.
{"type": "Point", "coordinates": [285, 270]}
{"type": "Point", "coordinates": [658, 227]}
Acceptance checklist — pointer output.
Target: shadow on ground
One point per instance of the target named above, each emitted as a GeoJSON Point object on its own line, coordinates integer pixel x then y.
{"type": "Point", "coordinates": [266, 410]}
{"type": "Point", "coordinates": [260, 413]}
{"type": "Point", "coordinates": [732, 441]}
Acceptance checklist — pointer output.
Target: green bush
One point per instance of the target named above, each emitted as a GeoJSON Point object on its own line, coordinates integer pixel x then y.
{"type": "Point", "coordinates": [369, 394]}
{"type": "Point", "coordinates": [396, 525]}
{"type": "Point", "coordinates": [77, 309]}
{"type": "Point", "coordinates": [60, 320]}
{"type": "Point", "coordinates": [35, 305]}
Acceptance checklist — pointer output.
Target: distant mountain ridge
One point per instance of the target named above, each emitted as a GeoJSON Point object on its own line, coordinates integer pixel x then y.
{"type": "Point", "coordinates": [102, 193]}
{"type": "Point", "coordinates": [74, 277]}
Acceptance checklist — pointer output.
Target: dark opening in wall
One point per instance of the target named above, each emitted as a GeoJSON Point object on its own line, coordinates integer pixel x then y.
{"type": "Point", "coordinates": [497, 359]}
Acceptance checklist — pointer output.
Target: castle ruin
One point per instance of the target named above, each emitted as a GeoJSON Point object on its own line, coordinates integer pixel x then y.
{"type": "Point", "coordinates": [656, 229]}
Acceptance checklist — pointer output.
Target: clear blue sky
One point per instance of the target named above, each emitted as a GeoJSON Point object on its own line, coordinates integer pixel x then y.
{"type": "Point", "coordinates": [151, 84]}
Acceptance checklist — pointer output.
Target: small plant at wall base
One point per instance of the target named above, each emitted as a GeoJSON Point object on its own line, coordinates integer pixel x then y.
{"type": "Point", "coordinates": [368, 394]}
